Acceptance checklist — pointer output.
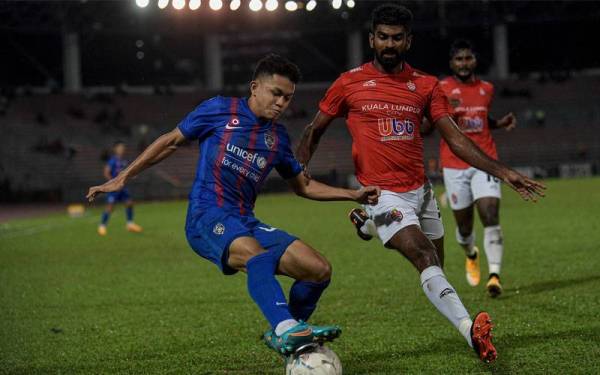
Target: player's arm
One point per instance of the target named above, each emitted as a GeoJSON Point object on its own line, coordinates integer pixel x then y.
{"type": "Point", "coordinates": [508, 122]}
{"type": "Point", "coordinates": [311, 137]}
{"type": "Point", "coordinates": [315, 190]}
{"type": "Point", "coordinates": [106, 172]}
{"type": "Point", "coordinates": [464, 148]}
{"type": "Point", "coordinates": [160, 149]}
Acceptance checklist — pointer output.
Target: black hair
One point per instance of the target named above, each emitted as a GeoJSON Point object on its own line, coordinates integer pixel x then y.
{"type": "Point", "coordinates": [118, 142]}
{"type": "Point", "coordinates": [275, 64]}
{"type": "Point", "coordinates": [391, 14]}
{"type": "Point", "coordinates": [460, 44]}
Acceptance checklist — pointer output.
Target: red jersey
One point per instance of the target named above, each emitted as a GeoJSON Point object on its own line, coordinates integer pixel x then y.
{"type": "Point", "coordinates": [383, 113]}
{"type": "Point", "coordinates": [470, 103]}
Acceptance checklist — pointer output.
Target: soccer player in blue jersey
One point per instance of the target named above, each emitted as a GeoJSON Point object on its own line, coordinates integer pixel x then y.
{"type": "Point", "coordinates": [240, 143]}
{"type": "Point", "coordinates": [113, 167]}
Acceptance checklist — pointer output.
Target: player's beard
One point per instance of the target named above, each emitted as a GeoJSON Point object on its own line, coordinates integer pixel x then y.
{"type": "Point", "coordinates": [389, 62]}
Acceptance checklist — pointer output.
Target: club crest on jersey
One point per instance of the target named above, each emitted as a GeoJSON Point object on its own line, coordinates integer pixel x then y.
{"type": "Point", "coordinates": [219, 229]}
{"type": "Point", "coordinates": [481, 91]}
{"type": "Point", "coordinates": [411, 85]}
{"type": "Point", "coordinates": [269, 140]}
{"type": "Point", "coordinates": [455, 91]}
{"type": "Point", "coordinates": [396, 215]}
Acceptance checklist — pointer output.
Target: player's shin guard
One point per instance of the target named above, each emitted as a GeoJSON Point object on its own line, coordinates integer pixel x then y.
{"type": "Point", "coordinates": [265, 290]}
{"type": "Point", "coordinates": [129, 214]}
{"type": "Point", "coordinates": [468, 242]}
{"type": "Point", "coordinates": [304, 296]}
{"type": "Point", "coordinates": [444, 298]}
{"type": "Point", "coordinates": [493, 246]}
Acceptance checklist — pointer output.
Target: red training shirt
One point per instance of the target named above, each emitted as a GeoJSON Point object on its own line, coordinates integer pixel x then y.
{"type": "Point", "coordinates": [470, 103]}
{"type": "Point", "coordinates": [383, 113]}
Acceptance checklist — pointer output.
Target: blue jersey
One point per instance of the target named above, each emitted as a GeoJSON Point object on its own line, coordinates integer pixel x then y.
{"type": "Point", "coordinates": [116, 165]}
{"type": "Point", "coordinates": [237, 152]}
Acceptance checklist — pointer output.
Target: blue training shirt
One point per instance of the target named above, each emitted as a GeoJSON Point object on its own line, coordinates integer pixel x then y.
{"type": "Point", "coordinates": [237, 152]}
{"type": "Point", "coordinates": [116, 165]}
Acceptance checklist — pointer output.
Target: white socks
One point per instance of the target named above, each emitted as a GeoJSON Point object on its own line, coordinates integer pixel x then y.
{"type": "Point", "coordinates": [492, 244]}
{"type": "Point", "coordinates": [369, 227]}
{"type": "Point", "coordinates": [445, 299]}
{"type": "Point", "coordinates": [284, 326]}
{"type": "Point", "coordinates": [468, 243]}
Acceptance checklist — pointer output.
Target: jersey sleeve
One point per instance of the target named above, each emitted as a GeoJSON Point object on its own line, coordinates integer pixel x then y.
{"type": "Point", "coordinates": [287, 165]}
{"type": "Point", "coordinates": [334, 101]}
{"type": "Point", "coordinates": [199, 123]}
{"type": "Point", "coordinates": [439, 105]}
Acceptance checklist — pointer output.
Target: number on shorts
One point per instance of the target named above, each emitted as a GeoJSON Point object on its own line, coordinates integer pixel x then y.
{"type": "Point", "coordinates": [492, 178]}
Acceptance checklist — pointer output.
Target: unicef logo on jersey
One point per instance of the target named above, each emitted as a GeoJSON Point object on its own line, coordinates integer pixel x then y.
{"type": "Point", "coordinates": [392, 129]}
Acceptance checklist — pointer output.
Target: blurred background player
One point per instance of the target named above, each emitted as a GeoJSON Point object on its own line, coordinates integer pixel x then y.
{"type": "Point", "coordinates": [466, 186]}
{"type": "Point", "coordinates": [113, 167]}
{"type": "Point", "coordinates": [240, 143]}
{"type": "Point", "coordinates": [384, 102]}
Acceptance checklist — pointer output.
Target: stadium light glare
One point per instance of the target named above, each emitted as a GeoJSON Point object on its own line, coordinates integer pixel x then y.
{"type": "Point", "coordinates": [215, 4]}
{"type": "Point", "coordinates": [336, 4]}
{"type": "Point", "coordinates": [178, 4]}
{"type": "Point", "coordinates": [312, 4]}
{"type": "Point", "coordinates": [235, 4]}
{"type": "Point", "coordinates": [194, 4]}
{"type": "Point", "coordinates": [142, 3]}
{"type": "Point", "coordinates": [162, 4]}
{"type": "Point", "coordinates": [291, 5]}
{"type": "Point", "coordinates": [255, 5]}
{"type": "Point", "coordinates": [350, 3]}
{"type": "Point", "coordinates": [271, 5]}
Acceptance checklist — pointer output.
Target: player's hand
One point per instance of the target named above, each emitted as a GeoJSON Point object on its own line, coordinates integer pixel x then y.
{"type": "Point", "coordinates": [115, 184]}
{"type": "Point", "coordinates": [368, 195]}
{"type": "Point", "coordinates": [527, 188]}
{"type": "Point", "coordinates": [508, 122]}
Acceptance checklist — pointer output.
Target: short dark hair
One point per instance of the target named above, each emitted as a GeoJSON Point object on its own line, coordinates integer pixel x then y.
{"type": "Point", "coordinates": [118, 142]}
{"type": "Point", "coordinates": [276, 64]}
{"type": "Point", "coordinates": [460, 44]}
{"type": "Point", "coordinates": [391, 14]}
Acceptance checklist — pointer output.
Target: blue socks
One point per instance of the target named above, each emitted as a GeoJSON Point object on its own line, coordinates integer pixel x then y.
{"type": "Point", "coordinates": [105, 217]}
{"type": "Point", "coordinates": [265, 289]}
{"type": "Point", "coordinates": [129, 213]}
{"type": "Point", "coordinates": [304, 296]}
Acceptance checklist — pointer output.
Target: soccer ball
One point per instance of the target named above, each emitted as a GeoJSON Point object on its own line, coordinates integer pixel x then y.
{"type": "Point", "coordinates": [320, 361]}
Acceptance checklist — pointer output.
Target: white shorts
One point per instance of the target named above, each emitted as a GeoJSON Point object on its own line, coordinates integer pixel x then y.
{"type": "Point", "coordinates": [395, 211]}
{"type": "Point", "coordinates": [465, 186]}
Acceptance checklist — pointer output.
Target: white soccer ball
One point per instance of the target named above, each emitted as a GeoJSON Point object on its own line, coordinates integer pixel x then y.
{"type": "Point", "coordinates": [320, 361]}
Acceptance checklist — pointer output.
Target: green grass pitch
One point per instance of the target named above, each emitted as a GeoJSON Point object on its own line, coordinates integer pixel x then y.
{"type": "Point", "coordinates": [73, 302]}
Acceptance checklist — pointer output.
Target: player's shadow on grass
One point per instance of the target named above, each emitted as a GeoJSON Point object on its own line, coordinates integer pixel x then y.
{"type": "Point", "coordinates": [378, 362]}
{"type": "Point", "coordinates": [547, 286]}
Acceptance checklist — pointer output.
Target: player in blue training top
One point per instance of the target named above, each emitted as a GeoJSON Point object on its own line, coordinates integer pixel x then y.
{"type": "Point", "coordinates": [240, 143]}
{"type": "Point", "coordinates": [113, 167]}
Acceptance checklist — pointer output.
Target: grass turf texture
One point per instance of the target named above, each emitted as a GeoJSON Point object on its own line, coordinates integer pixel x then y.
{"type": "Point", "coordinates": [73, 302]}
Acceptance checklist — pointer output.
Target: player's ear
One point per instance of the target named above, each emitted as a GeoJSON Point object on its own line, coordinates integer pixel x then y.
{"type": "Point", "coordinates": [253, 87]}
{"type": "Point", "coordinates": [409, 41]}
{"type": "Point", "coordinates": [371, 38]}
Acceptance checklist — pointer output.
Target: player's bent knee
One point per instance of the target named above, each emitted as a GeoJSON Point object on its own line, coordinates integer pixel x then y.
{"type": "Point", "coordinates": [323, 271]}
{"type": "Point", "coordinates": [426, 257]}
{"type": "Point", "coordinates": [242, 250]}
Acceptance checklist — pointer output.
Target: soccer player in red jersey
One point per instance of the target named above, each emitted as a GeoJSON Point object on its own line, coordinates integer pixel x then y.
{"type": "Point", "coordinates": [384, 102]}
{"type": "Point", "coordinates": [466, 186]}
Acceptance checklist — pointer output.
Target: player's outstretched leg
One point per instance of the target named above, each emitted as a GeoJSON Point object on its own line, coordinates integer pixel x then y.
{"type": "Point", "coordinates": [466, 239]}
{"type": "Point", "coordinates": [419, 250]}
{"type": "Point", "coordinates": [313, 274]}
{"type": "Point", "coordinates": [131, 225]}
{"type": "Point", "coordinates": [363, 224]}
{"type": "Point", "coordinates": [104, 221]}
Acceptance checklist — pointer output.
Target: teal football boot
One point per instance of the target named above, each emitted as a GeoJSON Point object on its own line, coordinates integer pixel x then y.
{"type": "Point", "coordinates": [326, 333]}
{"type": "Point", "coordinates": [292, 340]}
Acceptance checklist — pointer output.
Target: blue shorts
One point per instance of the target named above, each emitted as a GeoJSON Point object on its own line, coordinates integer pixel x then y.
{"type": "Point", "coordinates": [118, 196]}
{"type": "Point", "coordinates": [211, 232]}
